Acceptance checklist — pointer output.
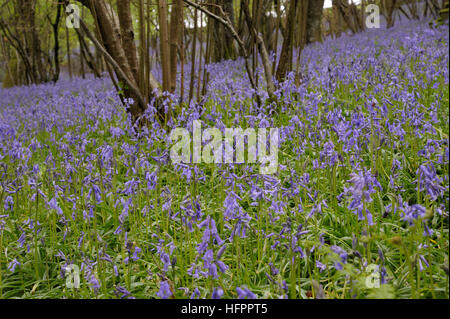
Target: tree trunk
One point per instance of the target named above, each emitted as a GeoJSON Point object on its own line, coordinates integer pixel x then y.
{"type": "Point", "coordinates": [223, 45]}
{"type": "Point", "coordinates": [55, 27]}
{"type": "Point", "coordinates": [176, 29]}
{"type": "Point", "coordinates": [314, 21]}
{"type": "Point", "coordinates": [283, 65]}
{"type": "Point", "coordinates": [29, 8]}
{"type": "Point", "coordinates": [31, 42]}
{"type": "Point", "coordinates": [87, 56]}
{"type": "Point", "coordinates": [127, 33]}
{"type": "Point", "coordinates": [262, 49]}
{"type": "Point", "coordinates": [229, 49]}
{"type": "Point", "coordinates": [164, 44]}
{"type": "Point", "coordinates": [194, 49]}
{"type": "Point", "coordinates": [113, 51]}
{"type": "Point", "coordinates": [346, 12]}
{"type": "Point", "coordinates": [69, 61]}
{"type": "Point", "coordinates": [389, 7]}
{"type": "Point", "coordinates": [241, 45]}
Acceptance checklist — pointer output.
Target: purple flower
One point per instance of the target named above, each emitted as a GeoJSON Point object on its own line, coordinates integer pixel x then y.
{"type": "Point", "coordinates": [341, 252]}
{"type": "Point", "coordinates": [321, 266]}
{"type": "Point", "coordinates": [121, 290]}
{"type": "Point", "coordinates": [338, 265]}
{"type": "Point", "coordinates": [53, 204]}
{"type": "Point", "coordinates": [164, 290]}
{"type": "Point", "coordinates": [317, 208]}
{"type": "Point", "coordinates": [9, 203]}
{"type": "Point", "coordinates": [137, 250]}
{"type": "Point", "coordinates": [208, 258]}
{"type": "Point", "coordinates": [165, 258]}
{"type": "Point", "coordinates": [422, 259]}
{"type": "Point", "coordinates": [195, 294]}
{"type": "Point", "coordinates": [217, 293]}
{"type": "Point", "coordinates": [364, 185]}
{"type": "Point", "coordinates": [245, 293]}
{"type": "Point", "coordinates": [232, 207]}
{"type": "Point", "coordinates": [94, 283]}
{"type": "Point", "coordinates": [97, 193]}
{"type": "Point", "coordinates": [22, 239]}
{"type": "Point", "coordinates": [152, 179]}
{"type": "Point", "coordinates": [221, 251]}
{"type": "Point", "coordinates": [13, 264]}
{"type": "Point", "coordinates": [412, 213]}
{"type": "Point", "coordinates": [429, 180]}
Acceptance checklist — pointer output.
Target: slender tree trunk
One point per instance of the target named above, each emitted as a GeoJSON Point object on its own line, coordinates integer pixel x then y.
{"type": "Point", "coordinates": [35, 41]}
{"type": "Point", "coordinates": [278, 11]}
{"type": "Point", "coordinates": [200, 58]}
{"type": "Point", "coordinates": [148, 53]}
{"type": "Point", "coordinates": [283, 64]}
{"type": "Point", "coordinates": [112, 49]}
{"type": "Point", "coordinates": [389, 7]}
{"type": "Point", "coordinates": [141, 74]}
{"type": "Point", "coordinates": [193, 54]}
{"type": "Point", "coordinates": [222, 41]}
{"type": "Point", "coordinates": [229, 49]}
{"type": "Point", "coordinates": [181, 53]}
{"type": "Point", "coordinates": [30, 46]}
{"type": "Point", "coordinates": [314, 21]}
{"type": "Point", "coordinates": [55, 27]}
{"type": "Point", "coordinates": [164, 43]}
{"type": "Point", "coordinates": [69, 61]}
{"type": "Point", "coordinates": [262, 49]}
{"type": "Point", "coordinates": [127, 33]}
{"type": "Point", "coordinates": [303, 18]}
{"type": "Point", "coordinates": [176, 29]}
{"type": "Point", "coordinates": [87, 56]}
{"type": "Point", "coordinates": [241, 44]}
{"type": "Point", "coordinates": [207, 58]}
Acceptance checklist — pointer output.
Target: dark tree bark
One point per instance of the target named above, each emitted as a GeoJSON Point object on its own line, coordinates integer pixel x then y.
{"type": "Point", "coordinates": [388, 7]}
{"type": "Point", "coordinates": [87, 56]}
{"type": "Point", "coordinates": [127, 33]}
{"type": "Point", "coordinates": [193, 54]}
{"type": "Point", "coordinates": [26, 40]}
{"type": "Point", "coordinates": [164, 43]}
{"type": "Point", "coordinates": [261, 48]}
{"type": "Point", "coordinates": [113, 51]}
{"type": "Point", "coordinates": [55, 27]}
{"type": "Point", "coordinates": [285, 61]}
{"type": "Point", "coordinates": [349, 14]}
{"type": "Point", "coordinates": [176, 30]}
{"type": "Point", "coordinates": [314, 20]}
{"type": "Point", "coordinates": [223, 45]}
{"type": "Point", "coordinates": [28, 9]}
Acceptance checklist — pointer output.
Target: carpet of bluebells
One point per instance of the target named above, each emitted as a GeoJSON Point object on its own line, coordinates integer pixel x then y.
{"type": "Point", "coordinates": [360, 198]}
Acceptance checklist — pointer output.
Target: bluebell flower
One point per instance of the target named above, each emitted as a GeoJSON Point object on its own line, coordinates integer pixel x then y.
{"type": "Point", "coordinates": [121, 290]}
{"type": "Point", "coordinates": [321, 266]}
{"type": "Point", "coordinates": [217, 293]}
{"type": "Point", "coordinates": [245, 293]}
{"type": "Point", "coordinates": [164, 290]}
{"type": "Point", "coordinates": [13, 265]}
